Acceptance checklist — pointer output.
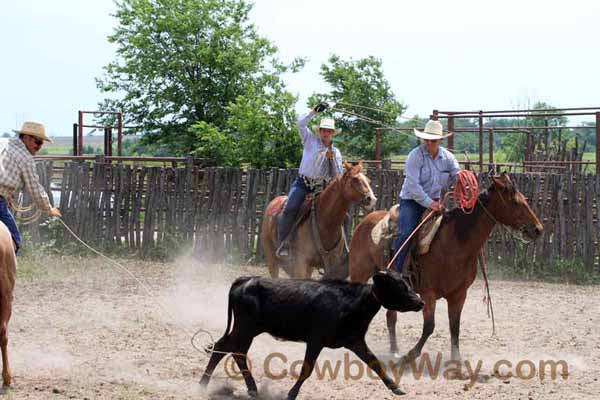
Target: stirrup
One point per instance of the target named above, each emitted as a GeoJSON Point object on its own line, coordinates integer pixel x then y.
{"type": "Point", "coordinates": [283, 251]}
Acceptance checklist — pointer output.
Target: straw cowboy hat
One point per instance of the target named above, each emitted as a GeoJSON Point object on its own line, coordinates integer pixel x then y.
{"type": "Point", "coordinates": [433, 131]}
{"type": "Point", "coordinates": [34, 129]}
{"type": "Point", "coordinates": [327, 123]}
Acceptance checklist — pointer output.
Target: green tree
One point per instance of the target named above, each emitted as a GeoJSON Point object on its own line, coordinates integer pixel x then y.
{"type": "Point", "coordinates": [356, 84]}
{"type": "Point", "coordinates": [183, 61]}
{"type": "Point", "coordinates": [550, 144]}
{"type": "Point", "coordinates": [265, 127]}
{"type": "Point", "coordinates": [214, 145]}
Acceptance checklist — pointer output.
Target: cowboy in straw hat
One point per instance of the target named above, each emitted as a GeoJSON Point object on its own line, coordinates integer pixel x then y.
{"type": "Point", "coordinates": [321, 161]}
{"type": "Point", "coordinates": [429, 168]}
{"type": "Point", "coordinates": [17, 169]}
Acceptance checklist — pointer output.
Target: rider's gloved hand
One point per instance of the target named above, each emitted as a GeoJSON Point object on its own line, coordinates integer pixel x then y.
{"type": "Point", "coordinates": [322, 106]}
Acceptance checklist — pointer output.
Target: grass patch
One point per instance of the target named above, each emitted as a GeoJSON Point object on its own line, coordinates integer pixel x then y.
{"type": "Point", "coordinates": [572, 271]}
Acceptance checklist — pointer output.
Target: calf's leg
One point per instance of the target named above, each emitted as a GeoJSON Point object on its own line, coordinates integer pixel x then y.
{"type": "Point", "coordinates": [220, 350]}
{"type": "Point", "coordinates": [240, 354]}
{"type": "Point", "coordinates": [312, 352]}
{"type": "Point", "coordinates": [366, 355]}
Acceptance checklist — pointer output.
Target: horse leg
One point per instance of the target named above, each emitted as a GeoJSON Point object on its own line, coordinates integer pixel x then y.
{"type": "Point", "coordinates": [300, 268]}
{"type": "Point", "coordinates": [428, 326]}
{"type": "Point", "coordinates": [391, 318]}
{"type": "Point", "coordinates": [6, 375]}
{"type": "Point", "coordinates": [455, 306]}
{"type": "Point", "coordinates": [272, 263]}
{"type": "Point", "coordinates": [5, 313]}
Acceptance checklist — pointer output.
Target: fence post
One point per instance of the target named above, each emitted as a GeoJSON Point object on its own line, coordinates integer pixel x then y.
{"type": "Point", "coordinates": [378, 148]}
{"type": "Point", "coordinates": [450, 139]}
{"type": "Point", "coordinates": [491, 146]}
{"type": "Point", "coordinates": [80, 135]}
{"type": "Point", "coordinates": [75, 146]}
{"type": "Point", "coordinates": [480, 141]}
{"type": "Point", "coordinates": [597, 141]}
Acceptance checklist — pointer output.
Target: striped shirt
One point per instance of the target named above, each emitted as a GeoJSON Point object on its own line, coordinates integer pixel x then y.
{"type": "Point", "coordinates": [425, 176]}
{"type": "Point", "coordinates": [315, 164]}
{"type": "Point", "coordinates": [17, 170]}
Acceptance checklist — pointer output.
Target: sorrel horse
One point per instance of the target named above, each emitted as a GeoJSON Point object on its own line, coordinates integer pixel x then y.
{"type": "Point", "coordinates": [450, 266]}
{"type": "Point", "coordinates": [8, 269]}
{"type": "Point", "coordinates": [330, 206]}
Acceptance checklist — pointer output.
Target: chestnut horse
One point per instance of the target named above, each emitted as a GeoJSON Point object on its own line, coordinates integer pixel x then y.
{"type": "Point", "coordinates": [450, 266]}
{"type": "Point", "coordinates": [8, 269]}
{"type": "Point", "coordinates": [331, 206]}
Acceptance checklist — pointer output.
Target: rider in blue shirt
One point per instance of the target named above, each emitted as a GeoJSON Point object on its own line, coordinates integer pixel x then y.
{"type": "Point", "coordinates": [429, 168]}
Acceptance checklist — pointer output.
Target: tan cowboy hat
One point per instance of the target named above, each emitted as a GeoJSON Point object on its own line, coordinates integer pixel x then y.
{"type": "Point", "coordinates": [433, 131]}
{"type": "Point", "coordinates": [34, 129]}
{"type": "Point", "coordinates": [327, 123]}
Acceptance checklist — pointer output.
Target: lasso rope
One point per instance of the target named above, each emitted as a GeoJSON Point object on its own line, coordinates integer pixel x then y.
{"type": "Point", "coordinates": [465, 195]}
{"type": "Point", "coordinates": [466, 191]}
{"type": "Point", "coordinates": [208, 349]}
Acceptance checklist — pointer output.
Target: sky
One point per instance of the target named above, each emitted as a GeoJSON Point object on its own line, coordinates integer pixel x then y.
{"type": "Point", "coordinates": [446, 55]}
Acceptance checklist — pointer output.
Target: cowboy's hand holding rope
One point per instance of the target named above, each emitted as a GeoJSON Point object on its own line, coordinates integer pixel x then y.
{"type": "Point", "coordinates": [55, 212]}
{"type": "Point", "coordinates": [322, 106]}
{"type": "Point", "coordinates": [436, 207]}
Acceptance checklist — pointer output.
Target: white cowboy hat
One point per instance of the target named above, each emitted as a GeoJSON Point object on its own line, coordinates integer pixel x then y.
{"type": "Point", "coordinates": [34, 129]}
{"type": "Point", "coordinates": [327, 123]}
{"type": "Point", "coordinates": [433, 131]}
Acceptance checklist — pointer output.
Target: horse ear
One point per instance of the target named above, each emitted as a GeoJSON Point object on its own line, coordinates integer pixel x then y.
{"type": "Point", "coordinates": [498, 182]}
{"type": "Point", "coordinates": [347, 166]}
{"type": "Point", "coordinates": [506, 176]}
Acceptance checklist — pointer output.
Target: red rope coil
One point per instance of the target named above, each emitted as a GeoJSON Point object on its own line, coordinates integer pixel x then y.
{"type": "Point", "coordinates": [466, 191]}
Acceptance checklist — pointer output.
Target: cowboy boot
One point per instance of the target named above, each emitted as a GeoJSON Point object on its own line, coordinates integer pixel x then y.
{"type": "Point", "coordinates": [283, 232]}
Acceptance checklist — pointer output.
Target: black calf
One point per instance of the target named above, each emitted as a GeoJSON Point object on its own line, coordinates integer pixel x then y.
{"type": "Point", "coordinates": [321, 313]}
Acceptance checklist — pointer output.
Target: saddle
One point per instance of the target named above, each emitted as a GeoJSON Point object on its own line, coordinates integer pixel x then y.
{"type": "Point", "coordinates": [307, 210]}
{"type": "Point", "coordinates": [386, 230]}
{"type": "Point", "coordinates": [302, 214]}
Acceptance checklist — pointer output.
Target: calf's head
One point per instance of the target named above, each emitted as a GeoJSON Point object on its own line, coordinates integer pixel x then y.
{"type": "Point", "coordinates": [394, 292]}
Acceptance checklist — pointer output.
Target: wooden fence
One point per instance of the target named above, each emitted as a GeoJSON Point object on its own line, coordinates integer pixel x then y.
{"type": "Point", "coordinates": [218, 211]}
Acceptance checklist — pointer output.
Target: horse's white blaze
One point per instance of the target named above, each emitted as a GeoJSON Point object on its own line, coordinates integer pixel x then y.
{"type": "Point", "coordinates": [371, 194]}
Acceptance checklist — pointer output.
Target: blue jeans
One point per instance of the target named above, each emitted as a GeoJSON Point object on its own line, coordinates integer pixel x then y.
{"type": "Point", "coordinates": [410, 215]}
{"type": "Point", "coordinates": [296, 197]}
{"type": "Point", "coordinates": [8, 219]}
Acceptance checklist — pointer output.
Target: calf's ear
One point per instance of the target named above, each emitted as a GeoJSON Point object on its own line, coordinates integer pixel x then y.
{"type": "Point", "coordinates": [380, 278]}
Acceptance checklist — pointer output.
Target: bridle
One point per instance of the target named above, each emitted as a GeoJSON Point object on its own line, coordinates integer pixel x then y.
{"type": "Point", "coordinates": [365, 198]}
{"type": "Point", "coordinates": [512, 231]}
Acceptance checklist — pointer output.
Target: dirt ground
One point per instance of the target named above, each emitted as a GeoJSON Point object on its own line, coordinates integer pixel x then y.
{"type": "Point", "coordinates": [81, 329]}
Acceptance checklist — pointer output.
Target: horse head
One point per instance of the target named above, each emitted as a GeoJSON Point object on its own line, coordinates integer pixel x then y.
{"type": "Point", "coordinates": [510, 208]}
{"type": "Point", "coordinates": [356, 187]}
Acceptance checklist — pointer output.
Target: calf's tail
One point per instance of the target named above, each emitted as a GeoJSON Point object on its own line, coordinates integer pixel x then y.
{"type": "Point", "coordinates": [229, 314]}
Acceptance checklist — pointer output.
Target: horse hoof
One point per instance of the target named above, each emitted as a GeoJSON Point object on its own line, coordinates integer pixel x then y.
{"type": "Point", "coordinates": [253, 394]}
{"type": "Point", "coordinates": [398, 392]}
